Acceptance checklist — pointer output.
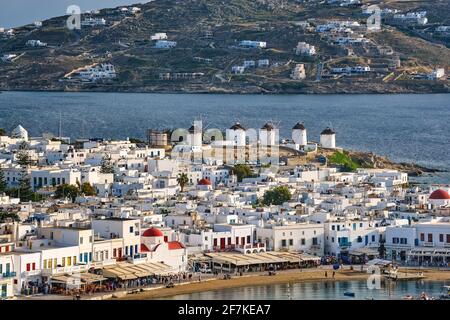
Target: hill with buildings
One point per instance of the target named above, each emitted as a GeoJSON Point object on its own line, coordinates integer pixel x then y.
{"type": "Point", "coordinates": [235, 46]}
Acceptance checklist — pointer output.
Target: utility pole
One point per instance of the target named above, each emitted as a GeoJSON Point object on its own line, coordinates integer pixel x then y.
{"type": "Point", "coordinates": [60, 125]}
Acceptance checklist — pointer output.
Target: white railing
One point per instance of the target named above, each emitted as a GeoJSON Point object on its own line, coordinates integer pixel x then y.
{"type": "Point", "coordinates": [63, 270]}
{"type": "Point", "coordinates": [31, 273]}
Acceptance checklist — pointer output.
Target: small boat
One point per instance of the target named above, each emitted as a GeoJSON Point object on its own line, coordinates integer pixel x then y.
{"type": "Point", "coordinates": [349, 294]}
{"type": "Point", "coordinates": [408, 297]}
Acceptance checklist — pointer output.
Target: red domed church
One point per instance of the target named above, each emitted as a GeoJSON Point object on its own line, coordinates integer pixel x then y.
{"type": "Point", "coordinates": [439, 198]}
{"type": "Point", "coordinates": [156, 247]}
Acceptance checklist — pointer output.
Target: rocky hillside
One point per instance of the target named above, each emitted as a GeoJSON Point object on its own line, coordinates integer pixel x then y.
{"type": "Point", "coordinates": [207, 35]}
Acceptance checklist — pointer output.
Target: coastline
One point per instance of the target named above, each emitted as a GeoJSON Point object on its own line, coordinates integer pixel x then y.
{"type": "Point", "coordinates": [289, 276]}
{"type": "Point", "coordinates": [227, 91]}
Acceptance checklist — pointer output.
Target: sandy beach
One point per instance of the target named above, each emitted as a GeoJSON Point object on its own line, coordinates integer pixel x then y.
{"type": "Point", "coordinates": [289, 276]}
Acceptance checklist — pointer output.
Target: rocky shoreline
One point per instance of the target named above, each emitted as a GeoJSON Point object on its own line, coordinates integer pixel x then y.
{"type": "Point", "coordinates": [371, 160]}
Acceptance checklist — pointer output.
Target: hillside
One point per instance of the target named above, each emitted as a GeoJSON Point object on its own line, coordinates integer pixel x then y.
{"type": "Point", "coordinates": [208, 35]}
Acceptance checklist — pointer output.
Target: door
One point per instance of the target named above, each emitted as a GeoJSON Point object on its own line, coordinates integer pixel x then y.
{"type": "Point", "coordinates": [222, 243]}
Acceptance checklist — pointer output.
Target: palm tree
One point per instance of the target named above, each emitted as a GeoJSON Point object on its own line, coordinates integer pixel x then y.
{"type": "Point", "coordinates": [183, 180]}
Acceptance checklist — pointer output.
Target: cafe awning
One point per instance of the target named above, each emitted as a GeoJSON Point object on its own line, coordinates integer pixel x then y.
{"type": "Point", "coordinates": [129, 271]}
{"type": "Point", "coordinates": [363, 251]}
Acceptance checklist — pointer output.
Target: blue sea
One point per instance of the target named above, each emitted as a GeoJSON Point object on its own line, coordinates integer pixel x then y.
{"type": "Point", "coordinates": [411, 128]}
{"type": "Point", "coordinates": [323, 290]}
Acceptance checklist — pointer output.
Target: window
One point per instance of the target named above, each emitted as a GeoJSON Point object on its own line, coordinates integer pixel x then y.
{"type": "Point", "coordinates": [314, 241]}
{"type": "Point", "coordinates": [114, 253]}
{"type": "Point", "coordinates": [359, 239]}
{"type": "Point", "coordinates": [69, 261]}
{"type": "Point", "coordinates": [333, 227]}
{"type": "Point", "coordinates": [403, 240]}
{"type": "Point", "coordinates": [283, 243]}
{"type": "Point", "coordinates": [28, 266]}
{"type": "Point", "coordinates": [448, 238]}
{"type": "Point", "coordinates": [303, 241]}
{"type": "Point", "coordinates": [215, 242]}
{"type": "Point", "coordinates": [441, 237]}
{"type": "Point", "coordinates": [373, 238]}
{"type": "Point", "coordinates": [229, 241]}
{"type": "Point", "coordinates": [395, 240]}
{"type": "Point", "coordinates": [81, 240]}
{"type": "Point", "coordinates": [332, 239]}
{"type": "Point", "coordinates": [248, 239]}
{"type": "Point", "coordinates": [90, 239]}
{"type": "Point", "coordinates": [291, 242]}
{"type": "Point", "coordinates": [430, 237]}
{"type": "Point", "coordinates": [422, 237]}
{"type": "Point", "coordinates": [63, 262]}
{"type": "Point", "coordinates": [131, 230]}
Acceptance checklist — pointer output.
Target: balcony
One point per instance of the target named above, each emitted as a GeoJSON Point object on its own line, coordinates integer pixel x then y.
{"type": "Point", "coordinates": [64, 270]}
{"type": "Point", "coordinates": [31, 273]}
{"type": "Point", "coordinates": [345, 245]}
{"type": "Point", "coordinates": [428, 244]}
{"type": "Point", "coordinates": [8, 275]}
{"type": "Point", "coordinates": [99, 264]}
{"type": "Point", "coordinates": [251, 248]}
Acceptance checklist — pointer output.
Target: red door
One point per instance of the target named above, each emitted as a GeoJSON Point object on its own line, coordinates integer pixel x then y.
{"type": "Point", "coordinates": [222, 243]}
{"type": "Point", "coordinates": [243, 240]}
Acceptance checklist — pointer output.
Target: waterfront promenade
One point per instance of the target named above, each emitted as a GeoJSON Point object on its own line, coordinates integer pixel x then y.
{"type": "Point", "coordinates": [210, 282]}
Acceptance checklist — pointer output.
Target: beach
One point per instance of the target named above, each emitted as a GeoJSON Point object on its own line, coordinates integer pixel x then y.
{"type": "Point", "coordinates": [288, 276]}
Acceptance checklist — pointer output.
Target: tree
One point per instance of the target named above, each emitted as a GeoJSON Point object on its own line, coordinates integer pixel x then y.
{"type": "Point", "coordinates": [3, 132]}
{"type": "Point", "coordinates": [88, 190]}
{"type": "Point", "coordinates": [23, 157]}
{"type": "Point", "coordinates": [136, 141]}
{"type": "Point", "coordinates": [107, 167]}
{"type": "Point", "coordinates": [183, 180]}
{"type": "Point", "coordinates": [277, 196]}
{"type": "Point", "coordinates": [242, 171]}
{"type": "Point", "coordinates": [4, 216]}
{"type": "Point", "coordinates": [3, 184]}
{"type": "Point", "coordinates": [24, 191]}
{"type": "Point", "coordinates": [67, 191]}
